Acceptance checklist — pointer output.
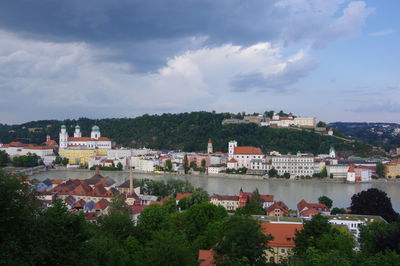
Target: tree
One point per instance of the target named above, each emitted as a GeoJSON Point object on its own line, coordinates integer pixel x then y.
{"type": "Point", "coordinates": [272, 172]}
{"type": "Point", "coordinates": [254, 205]}
{"type": "Point", "coordinates": [153, 218]}
{"type": "Point", "coordinates": [119, 166]}
{"type": "Point", "coordinates": [325, 200]}
{"type": "Point", "coordinates": [286, 175]}
{"type": "Point", "coordinates": [338, 211]}
{"type": "Point", "coordinates": [373, 202]}
{"type": "Point", "coordinates": [379, 237]}
{"type": "Point", "coordinates": [198, 216]}
{"type": "Point", "coordinates": [321, 124]}
{"type": "Point", "coordinates": [168, 165]}
{"type": "Point", "coordinates": [186, 164]}
{"type": "Point", "coordinates": [203, 163]}
{"type": "Point", "coordinates": [324, 172]}
{"type": "Point", "coordinates": [168, 248]}
{"type": "Point", "coordinates": [199, 195]}
{"type": "Point", "coordinates": [118, 205]}
{"type": "Point", "coordinates": [193, 164]}
{"type": "Point", "coordinates": [242, 241]}
{"type": "Point", "coordinates": [380, 170]}
{"type": "Point", "coordinates": [4, 158]}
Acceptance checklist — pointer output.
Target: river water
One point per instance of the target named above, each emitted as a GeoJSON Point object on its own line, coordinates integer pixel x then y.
{"type": "Point", "coordinates": [290, 192]}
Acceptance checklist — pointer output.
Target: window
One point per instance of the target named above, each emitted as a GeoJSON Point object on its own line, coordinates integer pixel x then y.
{"type": "Point", "coordinates": [283, 250]}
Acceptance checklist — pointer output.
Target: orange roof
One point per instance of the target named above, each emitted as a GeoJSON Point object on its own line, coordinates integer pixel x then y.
{"type": "Point", "coordinates": [351, 169]}
{"type": "Point", "coordinates": [247, 150]}
{"type": "Point", "coordinates": [180, 196]}
{"type": "Point", "coordinates": [268, 198]}
{"type": "Point", "coordinates": [278, 205]}
{"type": "Point", "coordinates": [206, 257]}
{"type": "Point", "coordinates": [232, 161]}
{"type": "Point", "coordinates": [156, 202]}
{"type": "Point", "coordinates": [283, 233]}
{"type": "Point", "coordinates": [309, 212]}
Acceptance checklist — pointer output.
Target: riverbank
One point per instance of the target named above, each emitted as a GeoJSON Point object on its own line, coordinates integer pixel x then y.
{"type": "Point", "coordinates": [232, 176]}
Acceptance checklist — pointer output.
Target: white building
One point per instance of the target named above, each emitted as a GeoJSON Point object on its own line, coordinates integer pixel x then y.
{"type": "Point", "coordinates": [243, 155]}
{"type": "Point", "coordinates": [293, 164]}
{"type": "Point", "coordinates": [216, 168]}
{"type": "Point", "coordinates": [337, 170]}
{"type": "Point", "coordinates": [18, 149]}
{"type": "Point", "coordinates": [95, 141]}
{"type": "Point", "coordinates": [304, 121]}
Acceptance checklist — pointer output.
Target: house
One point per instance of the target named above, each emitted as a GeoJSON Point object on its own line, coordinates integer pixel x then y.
{"type": "Point", "coordinates": [305, 209]}
{"type": "Point", "coordinates": [359, 173]}
{"type": "Point", "coordinates": [232, 164]}
{"type": "Point", "coordinates": [230, 203]}
{"type": "Point", "coordinates": [101, 207]}
{"type": "Point", "coordinates": [135, 212]}
{"type": "Point", "coordinates": [392, 168]}
{"type": "Point", "coordinates": [283, 240]}
{"type": "Point", "coordinates": [206, 258]}
{"type": "Point", "coordinates": [124, 188]}
{"type": "Point", "coordinates": [277, 209]}
{"type": "Point", "coordinates": [216, 168]}
{"type": "Point", "coordinates": [244, 197]}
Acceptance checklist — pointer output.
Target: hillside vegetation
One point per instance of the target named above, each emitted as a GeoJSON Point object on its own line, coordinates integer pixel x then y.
{"type": "Point", "coordinates": [185, 131]}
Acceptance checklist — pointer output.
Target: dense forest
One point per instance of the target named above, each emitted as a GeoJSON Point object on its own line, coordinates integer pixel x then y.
{"type": "Point", "coordinates": [185, 131]}
{"type": "Point", "coordinates": [378, 134]}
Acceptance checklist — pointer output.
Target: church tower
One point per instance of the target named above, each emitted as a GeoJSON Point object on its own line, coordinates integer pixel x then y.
{"type": "Point", "coordinates": [332, 152]}
{"type": "Point", "coordinates": [77, 133]}
{"type": "Point", "coordinates": [95, 132]}
{"type": "Point", "coordinates": [209, 147]}
{"type": "Point", "coordinates": [231, 148]}
{"type": "Point", "coordinates": [63, 137]}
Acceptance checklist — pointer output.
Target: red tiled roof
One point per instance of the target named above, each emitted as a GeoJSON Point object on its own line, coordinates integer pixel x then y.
{"type": "Point", "coordinates": [156, 202]}
{"type": "Point", "coordinates": [309, 212]}
{"type": "Point", "coordinates": [180, 196]}
{"type": "Point", "coordinates": [135, 209]}
{"type": "Point", "coordinates": [225, 197]}
{"type": "Point", "coordinates": [90, 216]}
{"type": "Point", "coordinates": [80, 204]}
{"type": "Point", "coordinates": [283, 233]}
{"type": "Point", "coordinates": [206, 257]}
{"type": "Point", "coordinates": [267, 198]}
{"type": "Point", "coordinates": [351, 169]}
{"type": "Point", "coordinates": [247, 150]}
{"type": "Point", "coordinates": [101, 204]}
{"type": "Point", "coordinates": [232, 161]}
{"type": "Point", "coordinates": [278, 205]}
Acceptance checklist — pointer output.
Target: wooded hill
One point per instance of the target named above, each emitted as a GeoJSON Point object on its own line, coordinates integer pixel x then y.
{"type": "Point", "coordinates": [187, 132]}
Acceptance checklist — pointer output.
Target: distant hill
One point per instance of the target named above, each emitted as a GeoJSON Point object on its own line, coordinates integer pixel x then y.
{"type": "Point", "coordinates": [385, 135]}
{"type": "Point", "coordinates": [187, 132]}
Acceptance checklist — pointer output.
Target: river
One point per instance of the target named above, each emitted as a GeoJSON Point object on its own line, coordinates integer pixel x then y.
{"type": "Point", "coordinates": [290, 192]}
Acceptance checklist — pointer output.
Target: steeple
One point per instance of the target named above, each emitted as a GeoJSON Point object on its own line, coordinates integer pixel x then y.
{"type": "Point", "coordinates": [209, 147]}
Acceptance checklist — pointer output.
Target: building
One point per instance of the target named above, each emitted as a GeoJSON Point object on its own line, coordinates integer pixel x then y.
{"type": "Point", "coordinates": [338, 171]}
{"type": "Point", "coordinates": [392, 168]}
{"type": "Point", "coordinates": [230, 203]}
{"type": "Point", "coordinates": [95, 141]}
{"type": "Point", "coordinates": [243, 155]}
{"type": "Point", "coordinates": [16, 148]}
{"type": "Point", "coordinates": [295, 165]}
{"type": "Point", "coordinates": [216, 168]}
{"type": "Point", "coordinates": [81, 155]}
{"type": "Point", "coordinates": [277, 209]}
{"type": "Point", "coordinates": [244, 197]}
{"type": "Point", "coordinates": [358, 173]}
{"type": "Point", "coordinates": [305, 209]}
{"type": "Point", "coordinates": [283, 240]}
{"type": "Point", "coordinates": [209, 147]}
{"type": "Point", "coordinates": [307, 122]}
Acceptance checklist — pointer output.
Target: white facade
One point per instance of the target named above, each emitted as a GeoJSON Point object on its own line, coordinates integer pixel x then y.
{"type": "Point", "coordinates": [337, 170]}
{"type": "Point", "coordinates": [145, 165]}
{"type": "Point", "coordinates": [216, 169]}
{"type": "Point", "coordinates": [94, 142]}
{"type": "Point", "coordinates": [304, 121]}
{"type": "Point", "coordinates": [294, 165]}
{"type": "Point", "coordinates": [231, 148]}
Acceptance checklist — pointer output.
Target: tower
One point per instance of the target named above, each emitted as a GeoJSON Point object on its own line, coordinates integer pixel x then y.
{"type": "Point", "coordinates": [63, 137]}
{"type": "Point", "coordinates": [95, 132]}
{"type": "Point", "coordinates": [47, 138]}
{"type": "Point", "coordinates": [77, 133]}
{"type": "Point", "coordinates": [332, 152]}
{"type": "Point", "coordinates": [231, 147]}
{"type": "Point", "coordinates": [209, 147]}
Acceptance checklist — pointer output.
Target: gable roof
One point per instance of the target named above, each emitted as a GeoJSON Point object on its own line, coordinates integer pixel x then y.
{"type": "Point", "coordinates": [102, 204]}
{"type": "Point", "coordinates": [225, 197]}
{"type": "Point", "coordinates": [206, 257]}
{"type": "Point", "coordinates": [247, 150]}
{"type": "Point", "coordinates": [283, 233]}
{"type": "Point", "coordinates": [278, 205]}
{"type": "Point", "coordinates": [180, 196]}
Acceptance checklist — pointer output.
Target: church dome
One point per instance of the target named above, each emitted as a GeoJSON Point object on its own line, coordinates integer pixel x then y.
{"type": "Point", "coordinates": [95, 128]}
{"type": "Point", "coordinates": [77, 127]}
{"type": "Point", "coordinates": [63, 127]}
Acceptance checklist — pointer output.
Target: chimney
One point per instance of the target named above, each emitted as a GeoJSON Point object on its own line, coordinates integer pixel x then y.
{"type": "Point", "coordinates": [97, 170]}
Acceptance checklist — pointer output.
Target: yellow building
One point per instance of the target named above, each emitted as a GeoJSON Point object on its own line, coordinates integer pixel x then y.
{"type": "Point", "coordinates": [81, 156]}
{"type": "Point", "coordinates": [392, 168]}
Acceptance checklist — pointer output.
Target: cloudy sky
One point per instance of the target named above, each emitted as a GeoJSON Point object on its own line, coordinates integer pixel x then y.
{"type": "Point", "coordinates": [338, 60]}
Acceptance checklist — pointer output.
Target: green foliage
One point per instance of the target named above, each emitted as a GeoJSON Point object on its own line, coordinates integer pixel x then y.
{"type": "Point", "coordinates": [335, 211]}
{"type": "Point", "coordinates": [60, 160]}
{"type": "Point", "coordinates": [324, 172]}
{"type": "Point", "coordinates": [29, 160]}
{"type": "Point", "coordinates": [203, 163]}
{"type": "Point", "coordinates": [119, 166]}
{"type": "Point", "coordinates": [107, 168]}
{"type": "Point", "coordinates": [164, 189]}
{"type": "Point", "coordinates": [242, 240]}
{"type": "Point", "coordinates": [373, 202]}
{"type": "Point", "coordinates": [168, 248]}
{"type": "Point", "coordinates": [286, 175]}
{"type": "Point", "coordinates": [199, 195]}
{"type": "Point", "coordinates": [325, 200]}
{"type": "Point", "coordinates": [378, 236]}
{"type": "Point", "coordinates": [4, 158]}
{"type": "Point", "coordinates": [186, 164]}
{"type": "Point", "coordinates": [321, 124]}
{"type": "Point", "coordinates": [380, 170]}
{"type": "Point", "coordinates": [168, 165]}
{"type": "Point", "coordinates": [153, 218]}
{"type": "Point", "coordinates": [254, 205]}
{"type": "Point", "coordinates": [272, 172]}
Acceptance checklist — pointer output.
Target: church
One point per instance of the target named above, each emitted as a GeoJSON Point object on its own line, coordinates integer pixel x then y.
{"type": "Point", "coordinates": [95, 141]}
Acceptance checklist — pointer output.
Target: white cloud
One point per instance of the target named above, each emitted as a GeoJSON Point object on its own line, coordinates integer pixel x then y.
{"type": "Point", "coordinates": [383, 33]}
{"type": "Point", "coordinates": [52, 77]}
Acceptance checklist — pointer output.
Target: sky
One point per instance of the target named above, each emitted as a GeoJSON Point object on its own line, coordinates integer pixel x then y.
{"type": "Point", "coordinates": [337, 60]}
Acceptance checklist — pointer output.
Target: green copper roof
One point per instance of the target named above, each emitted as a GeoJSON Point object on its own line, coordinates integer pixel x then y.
{"type": "Point", "coordinates": [63, 127]}
{"type": "Point", "coordinates": [77, 127]}
{"type": "Point", "coordinates": [95, 128]}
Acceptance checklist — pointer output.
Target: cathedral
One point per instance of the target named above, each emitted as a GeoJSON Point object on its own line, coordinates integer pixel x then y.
{"type": "Point", "coordinates": [95, 141]}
